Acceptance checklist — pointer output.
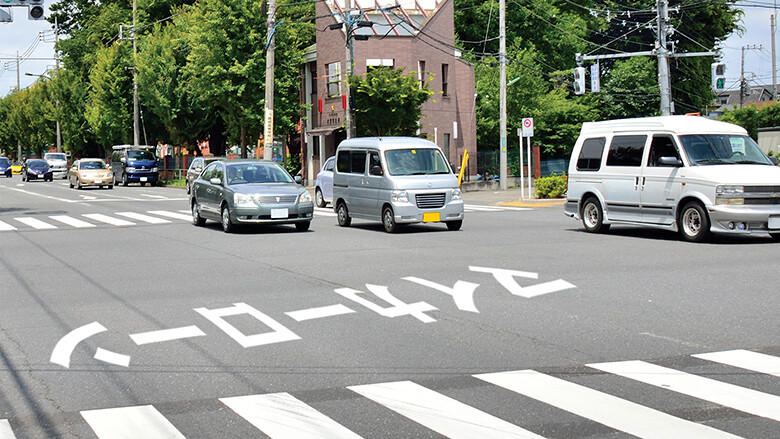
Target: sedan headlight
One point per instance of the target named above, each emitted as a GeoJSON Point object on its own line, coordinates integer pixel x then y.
{"type": "Point", "coordinates": [130, 169]}
{"type": "Point", "coordinates": [154, 169]}
{"type": "Point", "coordinates": [305, 197]}
{"type": "Point", "coordinates": [242, 200]}
{"type": "Point", "coordinates": [456, 194]}
{"type": "Point", "coordinates": [400, 196]}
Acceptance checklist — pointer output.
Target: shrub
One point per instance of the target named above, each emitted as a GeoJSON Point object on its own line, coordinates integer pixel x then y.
{"type": "Point", "coordinates": [554, 186]}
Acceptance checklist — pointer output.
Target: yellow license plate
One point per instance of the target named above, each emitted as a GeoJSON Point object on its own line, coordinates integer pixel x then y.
{"type": "Point", "coordinates": [431, 217]}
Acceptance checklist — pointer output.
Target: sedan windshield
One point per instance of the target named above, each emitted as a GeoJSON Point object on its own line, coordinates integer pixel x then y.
{"type": "Point", "coordinates": [720, 149]}
{"type": "Point", "coordinates": [242, 173]}
{"type": "Point", "coordinates": [92, 165]}
{"type": "Point", "coordinates": [416, 162]}
{"type": "Point", "coordinates": [4, 161]}
{"type": "Point", "coordinates": [37, 163]}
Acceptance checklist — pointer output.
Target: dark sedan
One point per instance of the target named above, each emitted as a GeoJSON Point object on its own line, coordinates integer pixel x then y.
{"type": "Point", "coordinates": [34, 169]}
{"type": "Point", "coordinates": [5, 167]}
{"type": "Point", "coordinates": [250, 192]}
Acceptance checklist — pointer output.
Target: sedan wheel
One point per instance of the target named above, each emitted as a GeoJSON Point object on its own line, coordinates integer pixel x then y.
{"type": "Point", "coordinates": [70, 183]}
{"type": "Point", "coordinates": [318, 198]}
{"type": "Point", "coordinates": [196, 218]}
{"type": "Point", "coordinates": [227, 225]}
{"type": "Point", "coordinates": [302, 227]}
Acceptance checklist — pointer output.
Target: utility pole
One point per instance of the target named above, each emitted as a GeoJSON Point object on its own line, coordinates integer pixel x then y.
{"type": "Point", "coordinates": [18, 89]}
{"type": "Point", "coordinates": [743, 85]}
{"type": "Point", "coordinates": [136, 133]}
{"type": "Point", "coordinates": [773, 26]}
{"type": "Point", "coordinates": [663, 61]}
{"type": "Point", "coordinates": [268, 133]}
{"type": "Point", "coordinates": [57, 69]}
{"type": "Point", "coordinates": [348, 122]}
{"type": "Point", "coordinates": [502, 93]}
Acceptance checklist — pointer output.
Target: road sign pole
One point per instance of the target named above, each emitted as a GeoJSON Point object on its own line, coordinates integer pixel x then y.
{"type": "Point", "coordinates": [522, 171]}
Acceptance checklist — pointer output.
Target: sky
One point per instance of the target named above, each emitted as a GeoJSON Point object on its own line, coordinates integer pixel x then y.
{"type": "Point", "coordinates": [22, 35]}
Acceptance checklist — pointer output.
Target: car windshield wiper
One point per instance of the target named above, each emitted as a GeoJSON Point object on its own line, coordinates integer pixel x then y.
{"type": "Point", "coordinates": [750, 162]}
{"type": "Point", "coordinates": [711, 161]}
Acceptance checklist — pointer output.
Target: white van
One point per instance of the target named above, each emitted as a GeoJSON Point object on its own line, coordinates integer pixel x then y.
{"type": "Point", "coordinates": [684, 173]}
{"type": "Point", "coordinates": [395, 180]}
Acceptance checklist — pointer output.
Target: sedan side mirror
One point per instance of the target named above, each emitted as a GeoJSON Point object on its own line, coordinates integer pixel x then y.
{"type": "Point", "coordinates": [669, 161]}
{"type": "Point", "coordinates": [216, 181]}
{"type": "Point", "coordinates": [298, 179]}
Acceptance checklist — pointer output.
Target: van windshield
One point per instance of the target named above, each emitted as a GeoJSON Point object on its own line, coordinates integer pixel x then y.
{"type": "Point", "coordinates": [722, 149]}
{"type": "Point", "coordinates": [55, 157]}
{"type": "Point", "coordinates": [140, 154]}
{"type": "Point", "coordinates": [416, 162]}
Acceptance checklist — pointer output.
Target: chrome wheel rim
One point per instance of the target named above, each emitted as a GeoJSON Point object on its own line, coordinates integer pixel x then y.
{"type": "Point", "coordinates": [318, 195]}
{"type": "Point", "coordinates": [342, 214]}
{"type": "Point", "coordinates": [195, 213]}
{"type": "Point", "coordinates": [691, 222]}
{"type": "Point", "coordinates": [225, 219]}
{"type": "Point", "coordinates": [388, 217]}
{"type": "Point", "coordinates": [591, 215]}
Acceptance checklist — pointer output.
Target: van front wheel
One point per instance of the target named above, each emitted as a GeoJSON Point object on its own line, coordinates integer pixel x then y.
{"type": "Point", "coordinates": [343, 215]}
{"type": "Point", "coordinates": [388, 220]}
{"type": "Point", "coordinates": [694, 222]}
{"type": "Point", "coordinates": [593, 216]}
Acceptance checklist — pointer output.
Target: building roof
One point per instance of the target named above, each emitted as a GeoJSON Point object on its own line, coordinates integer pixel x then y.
{"type": "Point", "coordinates": [390, 18]}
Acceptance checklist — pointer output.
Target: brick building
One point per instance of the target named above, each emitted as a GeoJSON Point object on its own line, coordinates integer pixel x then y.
{"type": "Point", "coordinates": [417, 35]}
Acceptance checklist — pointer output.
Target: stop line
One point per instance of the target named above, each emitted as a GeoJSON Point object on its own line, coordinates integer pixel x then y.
{"type": "Point", "coordinates": [283, 415]}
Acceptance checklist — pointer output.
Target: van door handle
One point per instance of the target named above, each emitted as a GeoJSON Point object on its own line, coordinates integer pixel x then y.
{"type": "Point", "coordinates": [636, 183]}
{"type": "Point", "coordinates": [644, 180]}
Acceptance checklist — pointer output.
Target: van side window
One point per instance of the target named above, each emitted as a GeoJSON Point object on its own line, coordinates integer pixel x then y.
{"type": "Point", "coordinates": [342, 161]}
{"type": "Point", "coordinates": [591, 153]}
{"type": "Point", "coordinates": [626, 151]}
{"type": "Point", "coordinates": [358, 162]}
{"type": "Point", "coordinates": [662, 146]}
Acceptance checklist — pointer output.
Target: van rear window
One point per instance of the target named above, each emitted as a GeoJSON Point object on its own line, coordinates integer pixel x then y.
{"type": "Point", "coordinates": [626, 151]}
{"type": "Point", "coordinates": [590, 154]}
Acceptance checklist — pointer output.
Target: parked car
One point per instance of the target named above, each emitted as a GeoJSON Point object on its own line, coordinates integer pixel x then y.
{"type": "Point", "coordinates": [5, 167]}
{"type": "Point", "coordinates": [58, 162]}
{"type": "Point", "coordinates": [16, 168]}
{"type": "Point", "coordinates": [90, 172]}
{"type": "Point", "coordinates": [323, 188]}
{"type": "Point", "coordinates": [395, 180]}
{"type": "Point", "coordinates": [250, 192]}
{"type": "Point", "coordinates": [35, 169]}
{"type": "Point", "coordinates": [682, 173]}
{"type": "Point", "coordinates": [196, 167]}
{"type": "Point", "coordinates": [134, 164]}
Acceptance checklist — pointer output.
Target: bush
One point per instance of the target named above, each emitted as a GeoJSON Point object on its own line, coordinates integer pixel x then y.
{"type": "Point", "coordinates": [554, 186]}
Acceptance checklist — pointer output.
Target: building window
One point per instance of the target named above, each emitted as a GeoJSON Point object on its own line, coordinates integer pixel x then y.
{"type": "Point", "coordinates": [333, 72]}
{"type": "Point", "coordinates": [421, 73]}
{"type": "Point", "coordinates": [444, 73]}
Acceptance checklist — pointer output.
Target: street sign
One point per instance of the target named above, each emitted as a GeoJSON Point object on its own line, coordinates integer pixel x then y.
{"type": "Point", "coordinates": [528, 127]}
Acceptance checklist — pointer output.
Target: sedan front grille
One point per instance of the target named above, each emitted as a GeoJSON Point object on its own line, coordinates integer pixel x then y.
{"type": "Point", "coordinates": [276, 199]}
{"type": "Point", "coordinates": [430, 201]}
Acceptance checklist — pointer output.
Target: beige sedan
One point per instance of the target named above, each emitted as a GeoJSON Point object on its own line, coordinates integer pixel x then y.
{"type": "Point", "coordinates": [90, 172]}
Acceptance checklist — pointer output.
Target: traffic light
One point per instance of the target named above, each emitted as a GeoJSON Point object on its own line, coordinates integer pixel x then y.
{"type": "Point", "coordinates": [579, 80]}
{"type": "Point", "coordinates": [35, 10]}
{"type": "Point", "coordinates": [718, 76]}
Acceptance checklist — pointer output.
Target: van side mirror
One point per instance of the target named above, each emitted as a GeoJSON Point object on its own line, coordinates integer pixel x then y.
{"type": "Point", "coordinates": [376, 170]}
{"type": "Point", "coordinates": [123, 160]}
{"type": "Point", "coordinates": [669, 161]}
{"type": "Point", "coordinates": [298, 179]}
{"type": "Point", "coordinates": [773, 160]}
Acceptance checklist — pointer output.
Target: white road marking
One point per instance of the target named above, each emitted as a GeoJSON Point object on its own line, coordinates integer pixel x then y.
{"type": "Point", "coordinates": [318, 313]}
{"type": "Point", "coordinates": [281, 415]}
{"type": "Point", "coordinates": [35, 223]}
{"type": "Point", "coordinates": [159, 197]}
{"type": "Point", "coordinates": [482, 208]}
{"type": "Point", "coordinates": [5, 430]}
{"type": "Point", "coordinates": [144, 218]}
{"type": "Point", "coordinates": [62, 350]}
{"type": "Point", "coordinates": [725, 394]}
{"type": "Point", "coordinates": [323, 211]}
{"type": "Point", "coordinates": [5, 227]}
{"type": "Point", "coordinates": [605, 409]}
{"type": "Point", "coordinates": [174, 215]}
{"type": "Point", "coordinates": [748, 360]}
{"type": "Point", "coordinates": [440, 413]}
{"type": "Point", "coordinates": [112, 357]}
{"type": "Point", "coordinates": [108, 220]}
{"type": "Point", "coordinates": [166, 335]}
{"type": "Point", "coordinates": [131, 423]}
{"type": "Point", "coordinates": [74, 222]}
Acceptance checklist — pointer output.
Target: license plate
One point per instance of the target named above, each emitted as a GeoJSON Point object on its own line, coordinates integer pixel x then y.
{"type": "Point", "coordinates": [431, 217]}
{"type": "Point", "coordinates": [279, 213]}
{"type": "Point", "coordinates": [98, 181]}
{"type": "Point", "coordinates": [143, 178]}
{"type": "Point", "coordinates": [774, 222]}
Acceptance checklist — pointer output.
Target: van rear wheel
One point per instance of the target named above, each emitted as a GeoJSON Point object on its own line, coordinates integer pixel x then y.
{"type": "Point", "coordinates": [593, 216]}
{"type": "Point", "coordinates": [343, 215]}
{"type": "Point", "coordinates": [694, 222]}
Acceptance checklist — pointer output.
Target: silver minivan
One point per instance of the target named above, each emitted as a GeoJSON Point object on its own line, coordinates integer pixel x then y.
{"type": "Point", "coordinates": [395, 180]}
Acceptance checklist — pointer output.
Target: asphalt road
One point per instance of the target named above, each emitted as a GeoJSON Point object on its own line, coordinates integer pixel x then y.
{"type": "Point", "coordinates": [119, 318]}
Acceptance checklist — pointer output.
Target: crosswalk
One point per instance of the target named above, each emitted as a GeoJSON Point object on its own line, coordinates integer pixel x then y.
{"type": "Point", "coordinates": [126, 219]}
{"type": "Point", "coordinates": [283, 415]}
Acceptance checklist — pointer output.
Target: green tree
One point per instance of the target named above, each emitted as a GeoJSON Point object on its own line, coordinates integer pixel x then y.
{"type": "Point", "coordinates": [109, 108]}
{"type": "Point", "coordinates": [387, 102]}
